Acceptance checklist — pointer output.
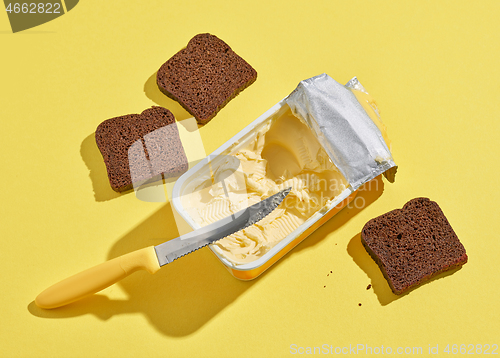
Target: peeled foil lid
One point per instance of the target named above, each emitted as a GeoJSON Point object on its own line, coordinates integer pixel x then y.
{"type": "Point", "coordinates": [350, 137]}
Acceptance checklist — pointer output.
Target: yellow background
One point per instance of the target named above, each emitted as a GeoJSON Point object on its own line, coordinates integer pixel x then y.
{"type": "Point", "coordinates": [432, 66]}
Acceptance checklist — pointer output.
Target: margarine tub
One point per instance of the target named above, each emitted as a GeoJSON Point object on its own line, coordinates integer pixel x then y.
{"type": "Point", "coordinates": [323, 141]}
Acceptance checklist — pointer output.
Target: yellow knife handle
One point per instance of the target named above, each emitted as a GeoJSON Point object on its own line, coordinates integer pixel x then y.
{"type": "Point", "coordinates": [97, 278]}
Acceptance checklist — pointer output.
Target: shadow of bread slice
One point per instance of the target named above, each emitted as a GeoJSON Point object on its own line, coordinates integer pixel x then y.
{"type": "Point", "coordinates": [140, 146]}
{"type": "Point", "coordinates": [413, 244]}
{"type": "Point", "coordinates": [204, 76]}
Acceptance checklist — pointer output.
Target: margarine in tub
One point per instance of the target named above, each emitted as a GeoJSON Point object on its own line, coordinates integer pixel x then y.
{"type": "Point", "coordinates": [284, 153]}
{"type": "Point", "coordinates": [305, 143]}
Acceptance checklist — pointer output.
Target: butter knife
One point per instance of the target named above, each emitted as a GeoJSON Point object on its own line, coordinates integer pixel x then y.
{"type": "Point", "coordinates": [152, 258]}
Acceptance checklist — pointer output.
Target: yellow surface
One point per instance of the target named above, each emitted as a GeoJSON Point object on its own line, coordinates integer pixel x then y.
{"type": "Point", "coordinates": [432, 66]}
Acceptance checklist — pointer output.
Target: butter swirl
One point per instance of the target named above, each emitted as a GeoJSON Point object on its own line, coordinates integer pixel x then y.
{"type": "Point", "coordinates": [284, 153]}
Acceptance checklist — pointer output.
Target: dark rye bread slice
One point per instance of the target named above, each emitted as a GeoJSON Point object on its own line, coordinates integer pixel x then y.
{"type": "Point", "coordinates": [413, 244]}
{"type": "Point", "coordinates": [145, 144]}
{"type": "Point", "coordinates": [204, 76]}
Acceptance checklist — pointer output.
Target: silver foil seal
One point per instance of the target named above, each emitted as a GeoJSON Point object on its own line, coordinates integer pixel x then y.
{"type": "Point", "coordinates": [350, 137]}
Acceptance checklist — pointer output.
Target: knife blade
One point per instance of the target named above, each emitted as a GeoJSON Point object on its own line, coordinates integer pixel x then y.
{"type": "Point", "coordinates": [153, 257]}
{"type": "Point", "coordinates": [173, 249]}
